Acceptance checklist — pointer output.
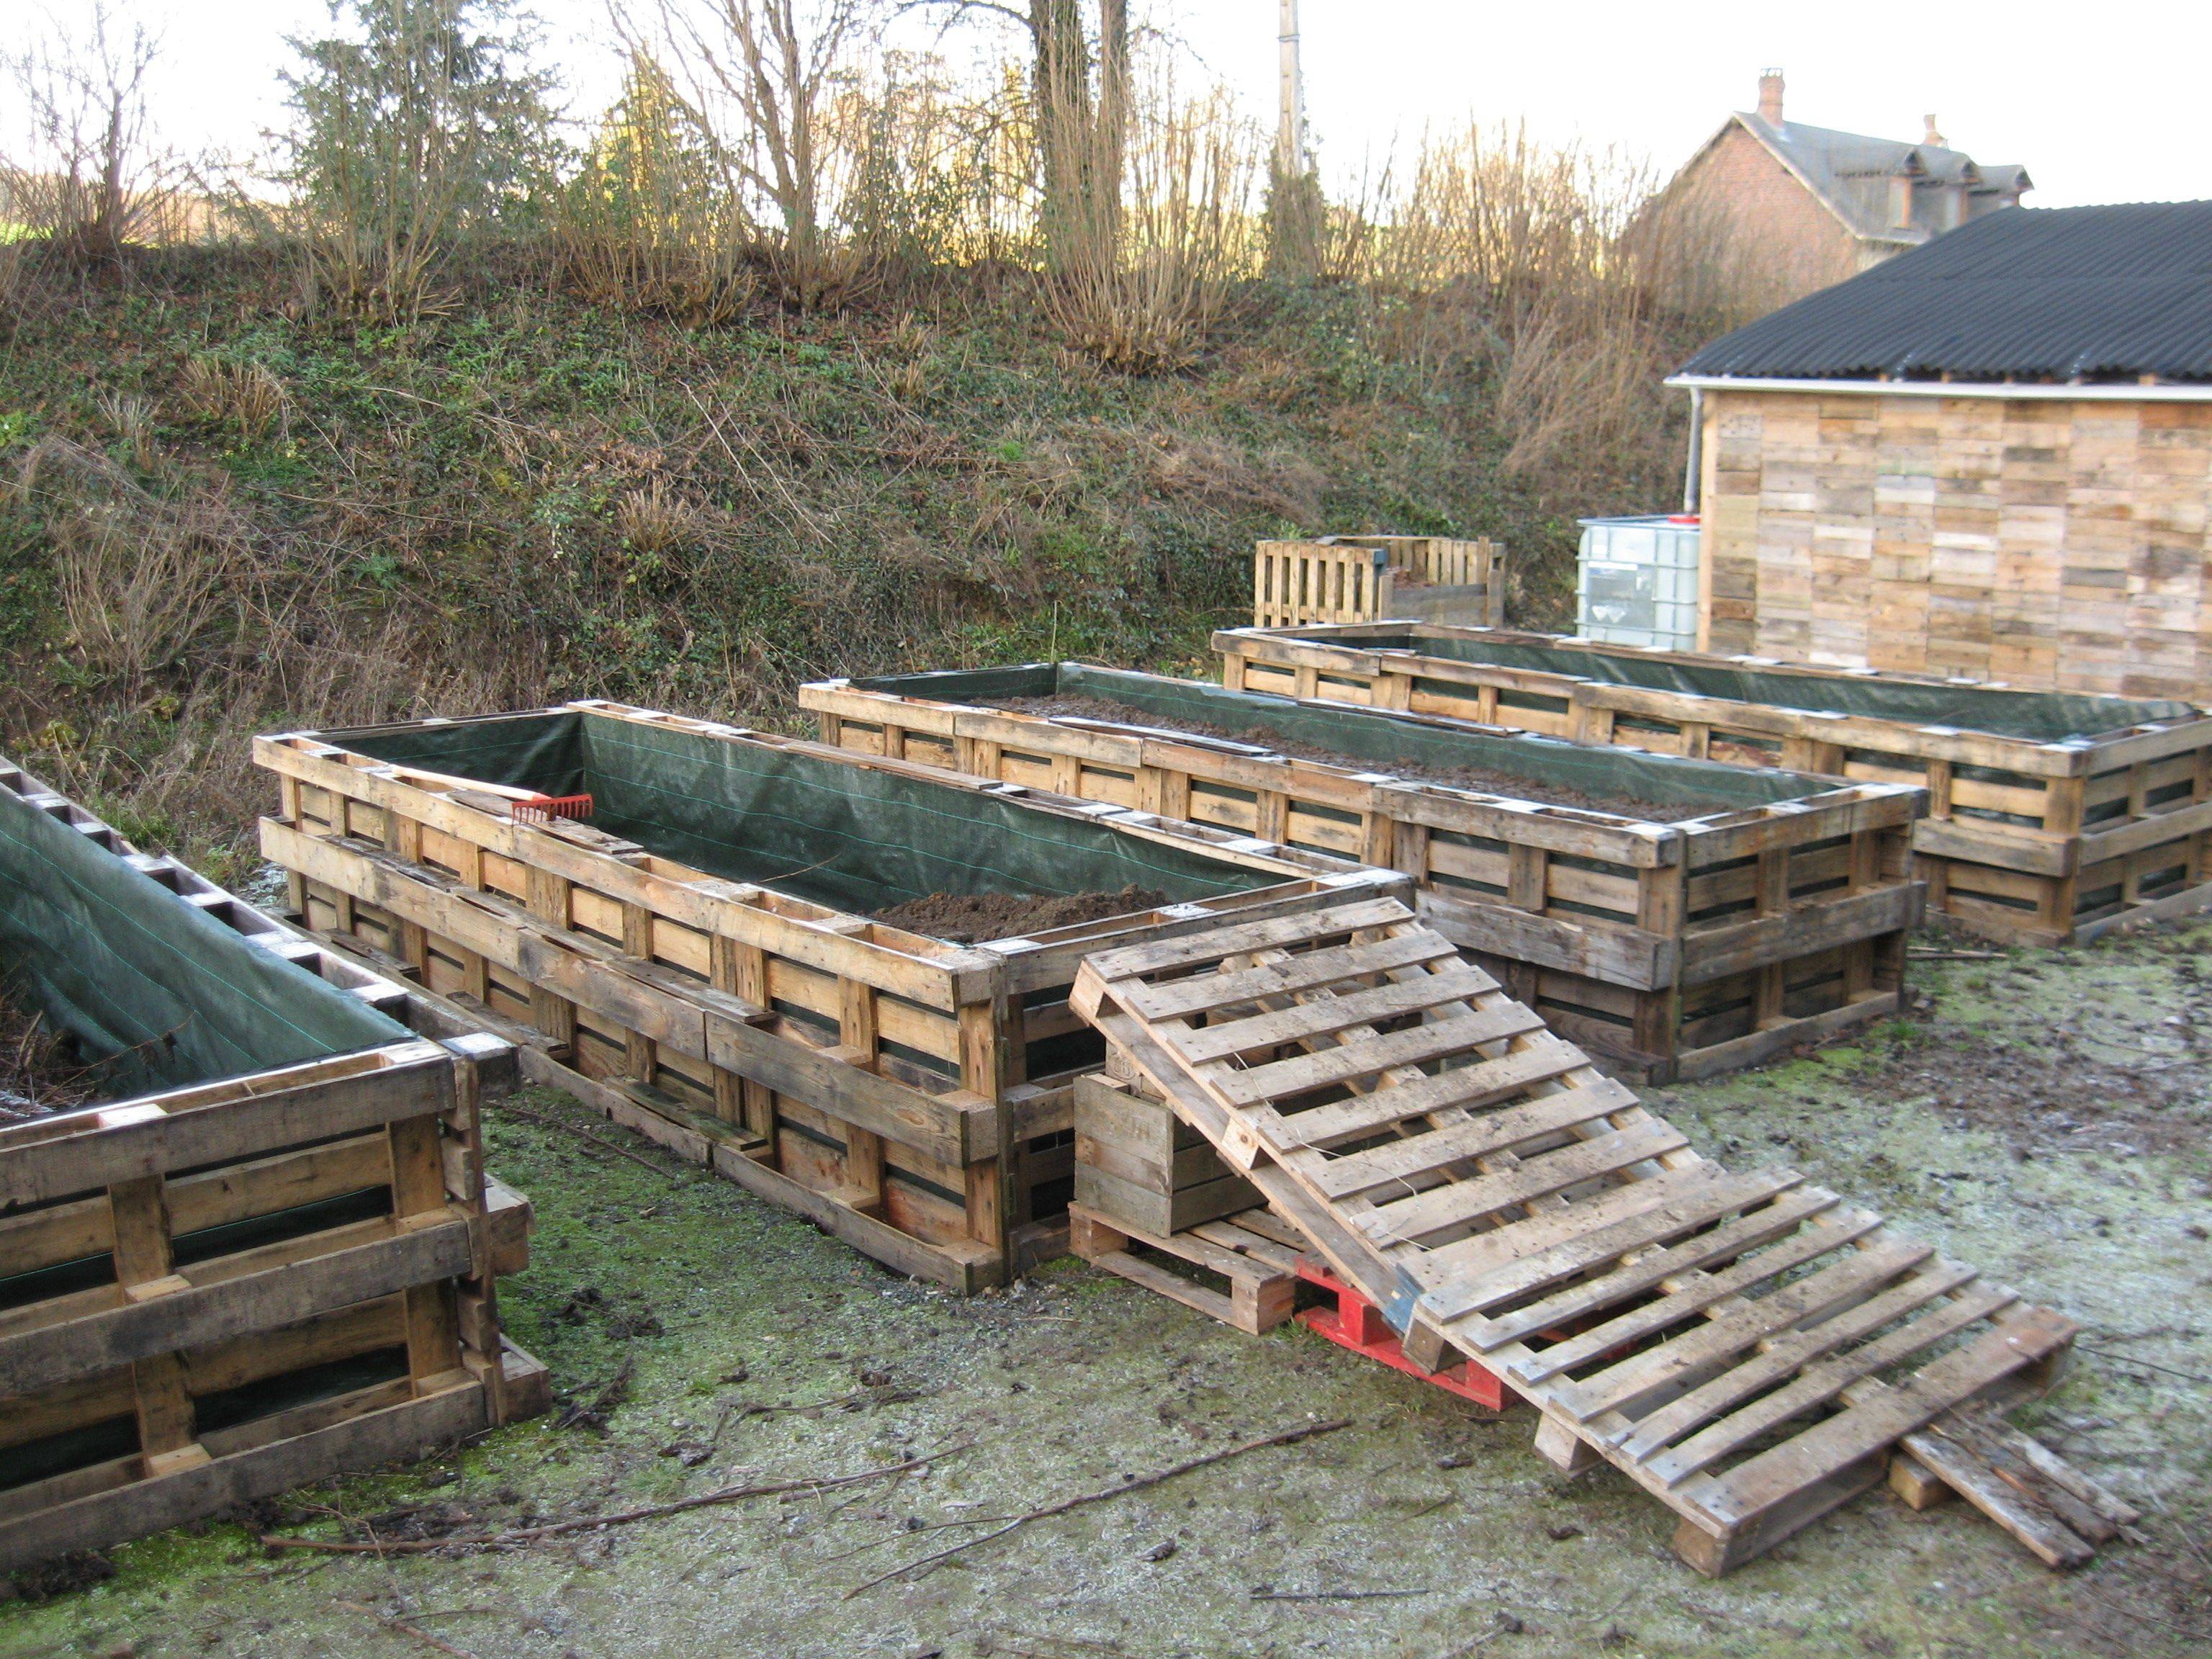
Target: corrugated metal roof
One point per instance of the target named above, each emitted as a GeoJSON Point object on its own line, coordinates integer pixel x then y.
{"type": "Point", "coordinates": [2059, 293]}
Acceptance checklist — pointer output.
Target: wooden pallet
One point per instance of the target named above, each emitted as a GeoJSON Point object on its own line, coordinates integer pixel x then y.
{"type": "Point", "coordinates": [221, 1291]}
{"type": "Point", "coordinates": [1355, 579]}
{"type": "Point", "coordinates": [911, 1095]}
{"type": "Point", "coordinates": [1748, 1348]}
{"type": "Point", "coordinates": [1255, 1265]}
{"type": "Point", "coordinates": [2026, 840]}
{"type": "Point", "coordinates": [1669, 951]}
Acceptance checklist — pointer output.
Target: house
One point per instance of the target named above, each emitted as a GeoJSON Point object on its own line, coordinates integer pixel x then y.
{"type": "Point", "coordinates": [1805, 207]}
{"type": "Point", "coordinates": [1987, 457]}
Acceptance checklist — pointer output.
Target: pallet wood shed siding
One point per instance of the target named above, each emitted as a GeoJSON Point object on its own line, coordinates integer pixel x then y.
{"type": "Point", "coordinates": [2049, 543]}
{"type": "Point", "coordinates": [898, 1090]}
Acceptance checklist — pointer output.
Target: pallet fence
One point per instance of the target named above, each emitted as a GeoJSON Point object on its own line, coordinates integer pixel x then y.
{"type": "Point", "coordinates": [1356, 579]}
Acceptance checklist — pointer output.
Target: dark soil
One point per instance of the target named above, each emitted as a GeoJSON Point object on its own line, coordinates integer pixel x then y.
{"type": "Point", "coordinates": [1480, 779]}
{"type": "Point", "coordinates": [63, 1575]}
{"type": "Point", "coordinates": [2093, 1079]}
{"type": "Point", "coordinates": [964, 918]}
{"type": "Point", "coordinates": [38, 1072]}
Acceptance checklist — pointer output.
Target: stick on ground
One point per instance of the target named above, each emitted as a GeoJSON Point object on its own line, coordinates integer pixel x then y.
{"type": "Point", "coordinates": [488, 1541]}
{"type": "Point", "coordinates": [1290, 1437]}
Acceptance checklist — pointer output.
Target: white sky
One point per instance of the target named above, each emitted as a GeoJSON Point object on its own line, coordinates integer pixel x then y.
{"type": "Point", "coordinates": [2102, 105]}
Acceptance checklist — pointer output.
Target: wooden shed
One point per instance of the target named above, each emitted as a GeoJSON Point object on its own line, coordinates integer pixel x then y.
{"type": "Point", "coordinates": [1989, 459]}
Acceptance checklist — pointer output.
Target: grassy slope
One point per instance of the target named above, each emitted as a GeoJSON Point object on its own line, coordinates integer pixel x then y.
{"type": "Point", "coordinates": [436, 518]}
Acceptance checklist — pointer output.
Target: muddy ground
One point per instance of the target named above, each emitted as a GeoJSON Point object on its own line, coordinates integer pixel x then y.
{"type": "Point", "coordinates": [1480, 779]}
{"type": "Point", "coordinates": [2045, 1118]}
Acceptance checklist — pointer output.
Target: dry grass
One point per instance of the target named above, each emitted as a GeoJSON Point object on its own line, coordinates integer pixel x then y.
{"type": "Point", "coordinates": [40, 1074]}
{"type": "Point", "coordinates": [147, 581]}
{"type": "Point", "coordinates": [246, 395]}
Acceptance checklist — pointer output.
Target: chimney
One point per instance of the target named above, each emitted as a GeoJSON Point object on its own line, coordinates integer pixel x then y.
{"type": "Point", "coordinates": [1934, 136]}
{"type": "Point", "coordinates": [1770, 97]}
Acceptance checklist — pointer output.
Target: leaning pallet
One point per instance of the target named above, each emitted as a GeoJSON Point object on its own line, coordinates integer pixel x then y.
{"type": "Point", "coordinates": [2052, 816]}
{"type": "Point", "coordinates": [268, 1253]}
{"type": "Point", "coordinates": [1766, 909]}
{"type": "Point", "coordinates": [702, 951]}
{"type": "Point", "coordinates": [1748, 1348]}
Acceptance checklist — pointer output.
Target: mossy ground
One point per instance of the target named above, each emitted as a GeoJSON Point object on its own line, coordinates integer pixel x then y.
{"type": "Point", "coordinates": [714, 1303]}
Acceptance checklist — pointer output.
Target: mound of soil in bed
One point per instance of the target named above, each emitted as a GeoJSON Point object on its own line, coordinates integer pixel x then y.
{"type": "Point", "coordinates": [1479, 779]}
{"type": "Point", "coordinates": [964, 918]}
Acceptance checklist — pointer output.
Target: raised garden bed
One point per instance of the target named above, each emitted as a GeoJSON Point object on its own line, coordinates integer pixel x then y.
{"type": "Point", "coordinates": [702, 951]}
{"type": "Point", "coordinates": [2052, 816]}
{"type": "Point", "coordinates": [265, 1253]}
{"type": "Point", "coordinates": [1735, 913]}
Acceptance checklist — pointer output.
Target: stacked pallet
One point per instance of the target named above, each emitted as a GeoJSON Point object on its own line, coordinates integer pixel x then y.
{"type": "Point", "coordinates": [1749, 1348]}
{"type": "Point", "coordinates": [1671, 950]}
{"type": "Point", "coordinates": [217, 1292]}
{"type": "Point", "coordinates": [1353, 579]}
{"type": "Point", "coordinates": [911, 1096]}
{"type": "Point", "coordinates": [2052, 817]}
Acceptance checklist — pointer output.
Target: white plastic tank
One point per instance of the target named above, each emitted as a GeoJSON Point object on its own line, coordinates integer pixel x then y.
{"type": "Point", "coordinates": [1636, 582]}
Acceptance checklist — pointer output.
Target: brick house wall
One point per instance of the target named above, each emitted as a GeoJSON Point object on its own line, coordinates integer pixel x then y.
{"type": "Point", "coordinates": [1783, 234]}
{"type": "Point", "coordinates": [2046, 543]}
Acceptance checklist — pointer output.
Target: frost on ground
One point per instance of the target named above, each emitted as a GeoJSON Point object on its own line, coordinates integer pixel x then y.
{"type": "Point", "coordinates": [2044, 1118]}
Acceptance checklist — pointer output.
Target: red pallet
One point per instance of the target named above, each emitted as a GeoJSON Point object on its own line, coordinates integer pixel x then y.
{"type": "Point", "coordinates": [1357, 1324]}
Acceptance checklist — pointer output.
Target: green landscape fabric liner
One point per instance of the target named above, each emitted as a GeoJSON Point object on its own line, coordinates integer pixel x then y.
{"type": "Point", "coordinates": [2037, 716]}
{"type": "Point", "coordinates": [847, 836]}
{"type": "Point", "coordinates": [160, 994]}
{"type": "Point", "coordinates": [1379, 740]}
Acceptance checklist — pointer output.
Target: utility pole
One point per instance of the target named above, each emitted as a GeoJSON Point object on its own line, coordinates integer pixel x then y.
{"type": "Point", "coordinates": [1290, 119]}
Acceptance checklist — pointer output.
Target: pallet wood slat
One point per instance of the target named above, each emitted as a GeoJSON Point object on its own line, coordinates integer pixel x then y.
{"type": "Point", "coordinates": [1745, 1348]}
{"type": "Point", "coordinates": [1675, 906]}
{"type": "Point", "coordinates": [911, 1095]}
{"type": "Point", "coordinates": [2027, 840]}
{"type": "Point", "coordinates": [303, 1228]}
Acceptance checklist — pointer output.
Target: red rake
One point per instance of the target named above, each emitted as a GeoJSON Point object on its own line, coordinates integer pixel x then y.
{"type": "Point", "coordinates": [543, 809]}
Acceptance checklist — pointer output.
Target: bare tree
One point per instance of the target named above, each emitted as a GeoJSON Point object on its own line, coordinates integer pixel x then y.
{"type": "Point", "coordinates": [1079, 80]}
{"type": "Point", "coordinates": [87, 174]}
{"type": "Point", "coordinates": [762, 72]}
